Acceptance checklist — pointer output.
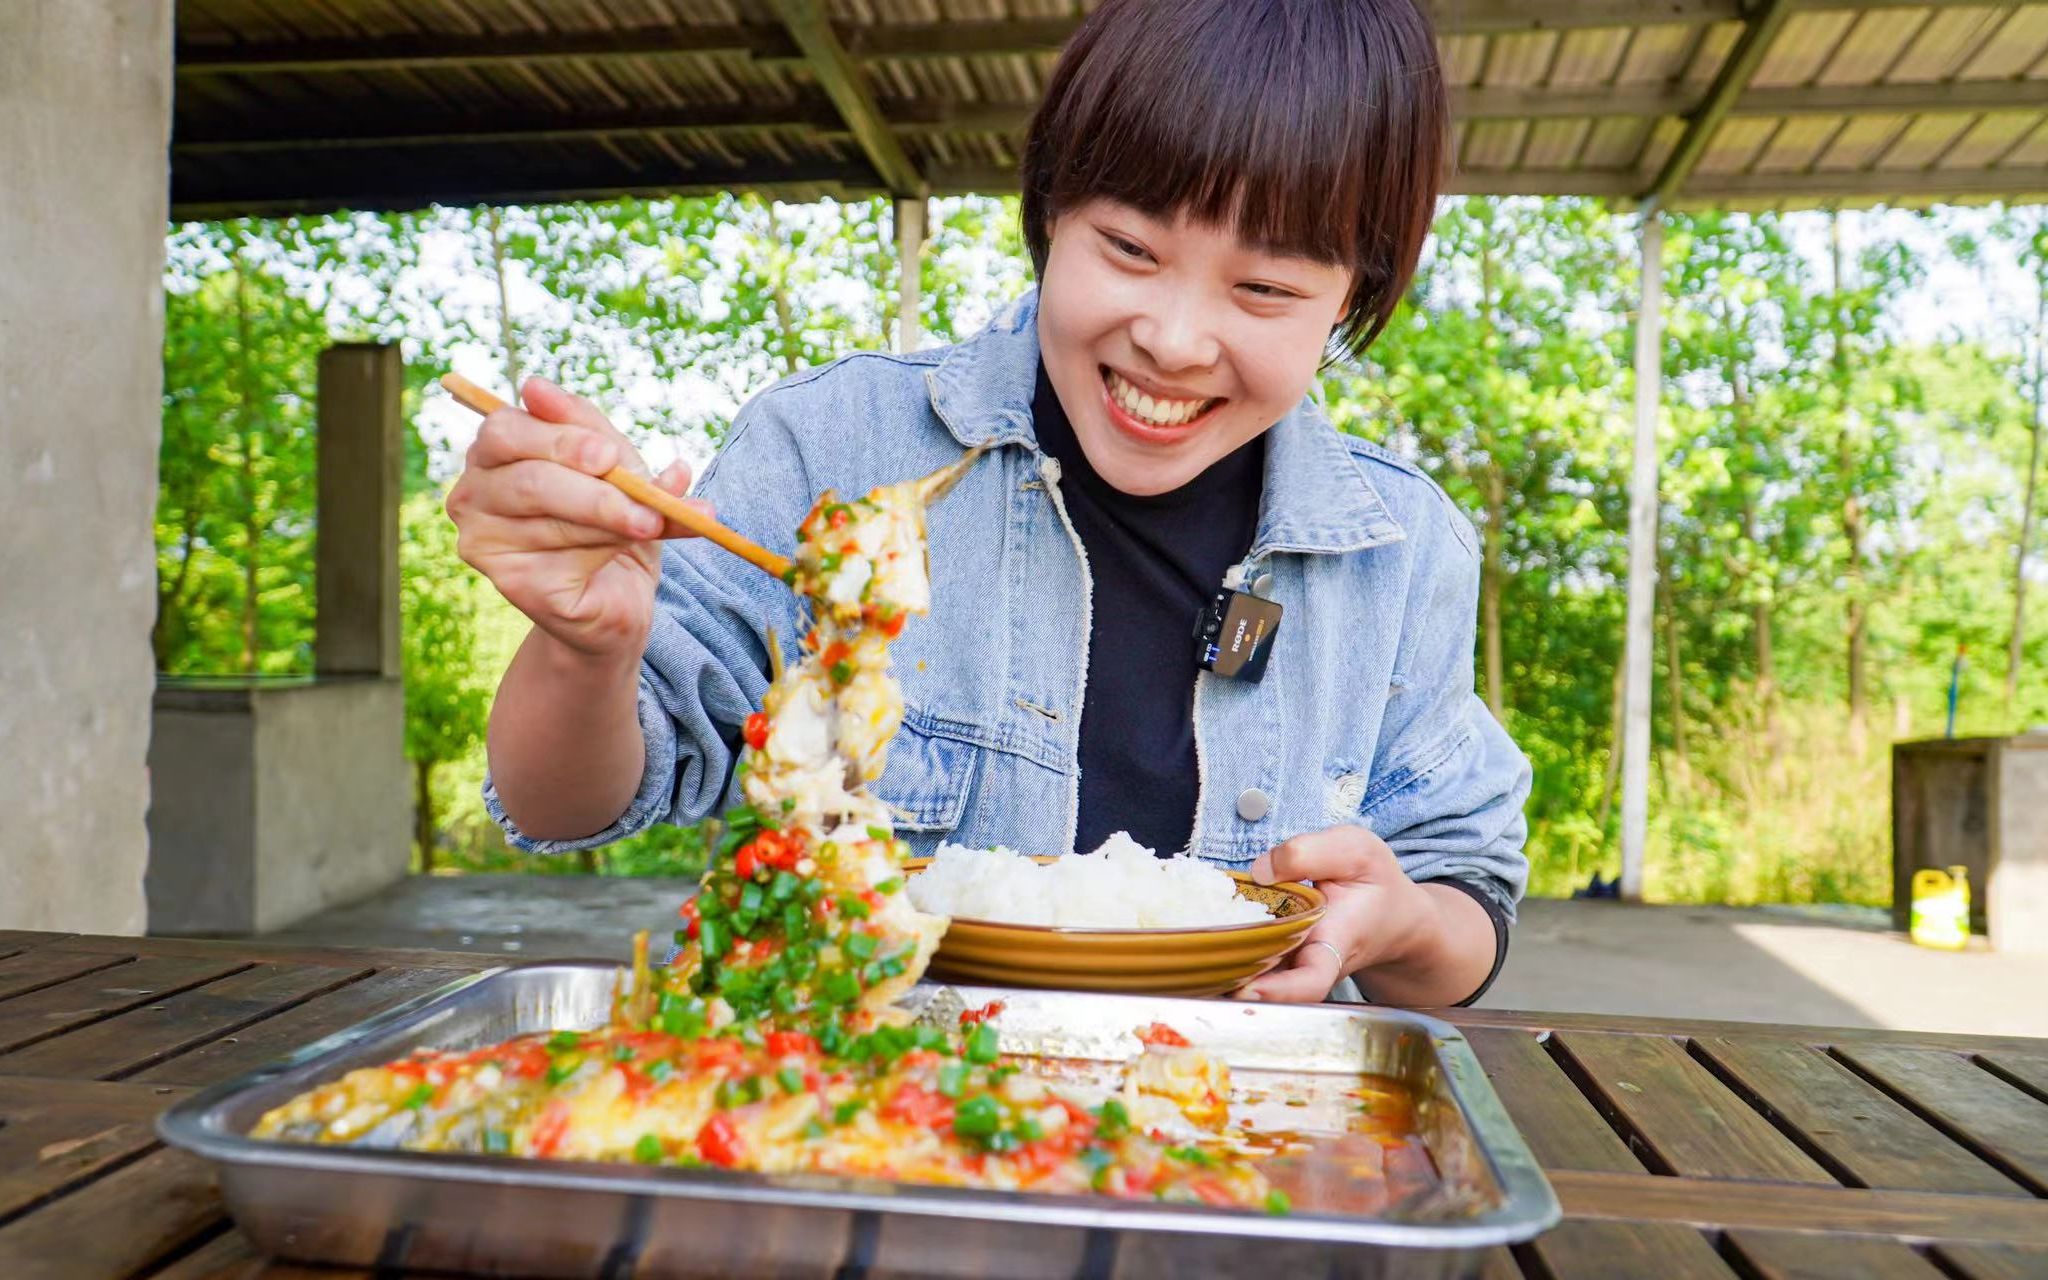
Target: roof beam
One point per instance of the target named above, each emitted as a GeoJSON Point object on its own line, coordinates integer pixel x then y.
{"type": "Point", "coordinates": [245, 135]}
{"type": "Point", "coordinates": [1493, 17]}
{"type": "Point", "coordinates": [1963, 96]}
{"type": "Point", "coordinates": [771, 43]}
{"type": "Point", "coordinates": [1890, 185]}
{"type": "Point", "coordinates": [1758, 33]}
{"type": "Point", "coordinates": [334, 132]}
{"type": "Point", "coordinates": [413, 180]}
{"type": "Point", "coordinates": [836, 74]}
{"type": "Point", "coordinates": [387, 53]}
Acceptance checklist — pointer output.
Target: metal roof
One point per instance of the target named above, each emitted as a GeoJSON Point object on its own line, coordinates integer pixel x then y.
{"type": "Point", "coordinates": [324, 104]}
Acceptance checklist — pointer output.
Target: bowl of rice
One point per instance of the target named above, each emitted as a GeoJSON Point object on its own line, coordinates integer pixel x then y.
{"type": "Point", "coordinates": [1118, 919]}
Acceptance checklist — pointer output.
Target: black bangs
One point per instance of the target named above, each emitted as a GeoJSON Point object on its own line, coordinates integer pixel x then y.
{"type": "Point", "coordinates": [1312, 128]}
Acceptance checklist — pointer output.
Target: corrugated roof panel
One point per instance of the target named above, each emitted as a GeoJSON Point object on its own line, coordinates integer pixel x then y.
{"type": "Point", "coordinates": [1923, 141]}
{"type": "Point", "coordinates": [1462, 57]}
{"type": "Point", "coordinates": [2018, 46]}
{"type": "Point", "coordinates": [1658, 146]}
{"type": "Point", "coordinates": [2030, 151]}
{"type": "Point", "coordinates": [1988, 139]}
{"type": "Point", "coordinates": [1588, 58]}
{"type": "Point", "coordinates": [1861, 142]}
{"type": "Point", "coordinates": [1710, 52]}
{"type": "Point", "coordinates": [1554, 144]}
{"type": "Point", "coordinates": [1614, 143]}
{"type": "Point", "coordinates": [1802, 48]}
{"type": "Point", "coordinates": [1735, 144]}
{"type": "Point", "coordinates": [1948, 42]}
{"type": "Point", "coordinates": [1871, 46]}
{"type": "Point", "coordinates": [1796, 143]}
{"type": "Point", "coordinates": [1658, 54]}
{"type": "Point", "coordinates": [1520, 58]}
{"type": "Point", "coordinates": [1493, 144]}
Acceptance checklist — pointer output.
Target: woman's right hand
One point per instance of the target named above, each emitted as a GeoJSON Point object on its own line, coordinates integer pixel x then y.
{"type": "Point", "coordinates": [569, 550]}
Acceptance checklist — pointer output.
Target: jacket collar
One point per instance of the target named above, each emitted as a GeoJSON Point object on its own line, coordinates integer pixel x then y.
{"type": "Point", "coordinates": [1317, 498]}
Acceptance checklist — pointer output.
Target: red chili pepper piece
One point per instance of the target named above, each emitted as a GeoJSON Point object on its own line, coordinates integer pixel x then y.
{"type": "Point", "coordinates": [718, 1142]}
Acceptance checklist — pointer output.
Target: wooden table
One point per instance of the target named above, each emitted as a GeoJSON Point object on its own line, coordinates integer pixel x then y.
{"type": "Point", "coordinates": [1679, 1149]}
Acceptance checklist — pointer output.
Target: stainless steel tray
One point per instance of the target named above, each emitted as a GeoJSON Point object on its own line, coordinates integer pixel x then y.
{"type": "Point", "coordinates": [502, 1215]}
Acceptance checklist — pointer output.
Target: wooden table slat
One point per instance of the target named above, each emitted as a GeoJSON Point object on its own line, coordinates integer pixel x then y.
{"type": "Point", "coordinates": [115, 1046]}
{"type": "Point", "coordinates": [43, 967]}
{"type": "Point", "coordinates": [2005, 1125]}
{"type": "Point", "coordinates": [1994, 1261]}
{"type": "Point", "coordinates": [1773, 1206]}
{"type": "Point", "coordinates": [1700, 1028]}
{"type": "Point", "coordinates": [295, 1028]}
{"type": "Point", "coordinates": [116, 1226]}
{"type": "Point", "coordinates": [69, 1005]}
{"type": "Point", "coordinates": [230, 1256]}
{"type": "Point", "coordinates": [1575, 1250]}
{"type": "Point", "coordinates": [257, 951]}
{"type": "Point", "coordinates": [1563, 1129]}
{"type": "Point", "coordinates": [1794, 1255]}
{"type": "Point", "coordinates": [1498, 1263]}
{"type": "Point", "coordinates": [18, 940]}
{"type": "Point", "coordinates": [2028, 1071]}
{"type": "Point", "coordinates": [1688, 1121]}
{"type": "Point", "coordinates": [1864, 1134]}
{"type": "Point", "coordinates": [57, 1133]}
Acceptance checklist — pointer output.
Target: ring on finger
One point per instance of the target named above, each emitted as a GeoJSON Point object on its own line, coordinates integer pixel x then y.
{"type": "Point", "coordinates": [1329, 947]}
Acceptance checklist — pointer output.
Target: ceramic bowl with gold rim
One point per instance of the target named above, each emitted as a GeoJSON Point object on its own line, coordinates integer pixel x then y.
{"type": "Point", "coordinates": [1167, 962]}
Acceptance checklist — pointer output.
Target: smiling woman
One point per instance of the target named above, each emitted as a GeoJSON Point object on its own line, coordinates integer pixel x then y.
{"type": "Point", "coordinates": [1214, 192]}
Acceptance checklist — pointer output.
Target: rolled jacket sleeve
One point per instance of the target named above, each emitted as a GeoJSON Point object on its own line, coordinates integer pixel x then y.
{"type": "Point", "coordinates": [706, 664]}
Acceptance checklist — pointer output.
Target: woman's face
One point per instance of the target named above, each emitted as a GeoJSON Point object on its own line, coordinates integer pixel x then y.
{"type": "Point", "coordinates": [1172, 343]}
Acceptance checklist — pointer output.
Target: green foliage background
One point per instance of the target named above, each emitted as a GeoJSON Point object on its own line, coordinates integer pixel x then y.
{"type": "Point", "coordinates": [1840, 505]}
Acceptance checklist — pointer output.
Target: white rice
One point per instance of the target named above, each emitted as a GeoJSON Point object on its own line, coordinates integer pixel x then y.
{"type": "Point", "coordinates": [1119, 886]}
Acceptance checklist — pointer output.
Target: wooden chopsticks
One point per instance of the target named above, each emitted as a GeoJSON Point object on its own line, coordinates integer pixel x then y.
{"type": "Point", "coordinates": [642, 490]}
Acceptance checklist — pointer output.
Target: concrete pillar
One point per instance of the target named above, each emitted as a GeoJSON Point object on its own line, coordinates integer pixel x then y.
{"type": "Point", "coordinates": [362, 456]}
{"type": "Point", "coordinates": [85, 97]}
{"type": "Point", "coordinates": [1642, 561]}
{"type": "Point", "coordinates": [911, 214]}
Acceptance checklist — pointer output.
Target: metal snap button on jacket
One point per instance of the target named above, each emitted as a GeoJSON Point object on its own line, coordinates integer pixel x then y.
{"type": "Point", "coordinates": [1252, 804]}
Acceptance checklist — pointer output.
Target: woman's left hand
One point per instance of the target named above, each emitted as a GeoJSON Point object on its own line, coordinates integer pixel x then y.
{"type": "Point", "coordinates": [1373, 914]}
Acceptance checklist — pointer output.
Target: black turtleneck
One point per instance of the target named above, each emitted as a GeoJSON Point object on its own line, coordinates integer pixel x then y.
{"type": "Point", "coordinates": [1154, 561]}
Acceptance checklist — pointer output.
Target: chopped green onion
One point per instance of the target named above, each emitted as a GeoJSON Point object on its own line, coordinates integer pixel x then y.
{"type": "Point", "coordinates": [861, 946]}
{"type": "Point", "coordinates": [648, 1149]}
{"type": "Point", "coordinates": [978, 1117]}
{"type": "Point", "coordinates": [846, 1111]}
{"type": "Point", "coordinates": [564, 1040]}
{"type": "Point", "coordinates": [982, 1047]}
{"type": "Point", "coordinates": [791, 1079]}
{"type": "Point", "coordinates": [1277, 1201]}
{"type": "Point", "coordinates": [953, 1079]}
{"type": "Point", "coordinates": [1112, 1120]}
{"type": "Point", "coordinates": [422, 1093]}
{"type": "Point", "coordinates": [497, 1142]}
{"type": "Point", "coordinates": [891, 885]}
{"type": "Point", "coordinates": [878, 833]}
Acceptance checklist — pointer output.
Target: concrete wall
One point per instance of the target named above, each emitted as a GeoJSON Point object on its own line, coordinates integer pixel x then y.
{"type": "Point", "coordinates": [275, 801]}
{"type": "Point", "coordinates": [85, 91]}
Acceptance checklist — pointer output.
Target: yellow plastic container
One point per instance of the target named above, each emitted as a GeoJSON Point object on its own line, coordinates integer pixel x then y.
{"type": "Point", "coordinates": [1941, 908]}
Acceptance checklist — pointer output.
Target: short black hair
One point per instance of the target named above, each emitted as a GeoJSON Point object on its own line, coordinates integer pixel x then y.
{"type": "Point", "coordinates": [1311, 127]}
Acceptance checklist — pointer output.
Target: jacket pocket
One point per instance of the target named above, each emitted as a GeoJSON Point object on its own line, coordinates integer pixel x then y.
{"type": "Point", "coordinates": [929, 776]}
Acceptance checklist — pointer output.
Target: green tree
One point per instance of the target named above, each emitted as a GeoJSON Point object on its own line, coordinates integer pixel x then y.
{"type": "Point", "coordinates": [447, 685]}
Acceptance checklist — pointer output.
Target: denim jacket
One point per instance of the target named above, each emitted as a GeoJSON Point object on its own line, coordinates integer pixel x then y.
{"type": "Point", "coordinates": [1366, 713]}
